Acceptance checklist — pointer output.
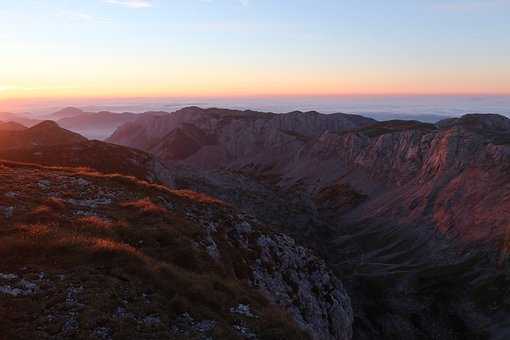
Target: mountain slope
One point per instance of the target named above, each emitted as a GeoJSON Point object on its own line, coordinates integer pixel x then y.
{"type": "Point", "coordinates": [46, 133]}
{"type": "Point", "coordinates": [452, 177]}
{"type": "Point", "coordinates": [11, 126]}
{"type": "Point", "coordinates": [91, 255]}
{"type": "Point", "coordinates": [48, 144]}
{"type": "Point", "coordinates": [99, 156]}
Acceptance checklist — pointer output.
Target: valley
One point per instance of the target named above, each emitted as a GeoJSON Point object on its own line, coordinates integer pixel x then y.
{"type": "Point", "coordinates": [409, 220]}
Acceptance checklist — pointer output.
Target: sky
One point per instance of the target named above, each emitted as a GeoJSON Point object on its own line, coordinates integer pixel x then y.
{"type": "Point", "coordinates": [144, 48]}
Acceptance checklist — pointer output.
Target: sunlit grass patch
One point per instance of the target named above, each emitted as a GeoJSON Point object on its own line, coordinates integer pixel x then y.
{"type": "Point", "coordinates": [145, 206]}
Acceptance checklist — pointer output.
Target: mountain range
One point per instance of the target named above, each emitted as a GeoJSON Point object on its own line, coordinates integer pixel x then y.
{"type": "Point", "coordinates": [298, 225]}
{"type": "Point", "coordinates": [407, 171]}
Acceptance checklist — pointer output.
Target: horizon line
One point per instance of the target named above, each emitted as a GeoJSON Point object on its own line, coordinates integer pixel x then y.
{"type": "Point", "coordinates": [259, 95]}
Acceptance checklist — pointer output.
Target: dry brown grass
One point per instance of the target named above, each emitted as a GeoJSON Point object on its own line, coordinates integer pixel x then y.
{"type": "Point", "coordinates": [55, 203]}
{"type": "Point", "coordinates": [198, 197]}
{"type": "Point", "coordinates": [42, 213]}
{"type": "Point", "coordinates": [140, 242]}
{"type": "Point", "coordinates": [145, 206]}
{"type": "Point", "coordinates": [34, 231]}
{"type": "Point", "coordinates": [130, 181]}
{"type": "Point", "coordinates": [95, 222]}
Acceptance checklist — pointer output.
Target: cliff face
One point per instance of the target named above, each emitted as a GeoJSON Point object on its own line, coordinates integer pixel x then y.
{"type": "Point", "coordinates": [409, 172]}
{"type": "Point", "coordinates": [453, 177]}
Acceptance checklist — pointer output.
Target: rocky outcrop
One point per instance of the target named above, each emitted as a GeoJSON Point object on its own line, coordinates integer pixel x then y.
{"type": "Point", "coordinates": [288, 274]}
{"type": "Point", "coordinates": [292, 277]}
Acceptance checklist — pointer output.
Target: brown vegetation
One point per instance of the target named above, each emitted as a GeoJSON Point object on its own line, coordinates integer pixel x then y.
{"type": "Point", "coordinates": [119, 246]}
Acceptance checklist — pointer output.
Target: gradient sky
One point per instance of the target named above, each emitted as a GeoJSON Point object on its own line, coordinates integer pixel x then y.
{"type": "Point", "coordinates": [123, 48]}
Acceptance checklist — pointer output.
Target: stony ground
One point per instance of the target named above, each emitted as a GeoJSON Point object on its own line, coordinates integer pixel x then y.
{"type": "Point", "coordinates": [86, 255]}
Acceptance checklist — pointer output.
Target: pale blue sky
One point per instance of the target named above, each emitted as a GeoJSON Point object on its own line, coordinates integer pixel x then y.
{"type": "Point", "coordinates": [165, 47]}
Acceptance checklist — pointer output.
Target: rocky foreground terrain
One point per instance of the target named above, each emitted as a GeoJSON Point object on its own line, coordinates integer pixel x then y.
{"type": "Point", "coordinates": [217, 224]}
{"type": "Point", "coordinates": [86, 255]}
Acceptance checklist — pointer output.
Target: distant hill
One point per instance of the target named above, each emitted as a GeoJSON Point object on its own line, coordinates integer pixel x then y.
{"type": "Point", "coordinates": [46, 133]}
{"type": "Point", "coordinates": [49, 144]}
{"type": "Point", "coordinates": [65, 113]}
{"type": "Point", "coordinates": [18, 118]}
{"type": "Point", "coordinates": [98, 125]}
{"type": "Point", "coordinates": [100, 156]}
{"type": "Point", "coordinates": [11, 126]}
{"type": "Point", "coordinates": [426, 118]}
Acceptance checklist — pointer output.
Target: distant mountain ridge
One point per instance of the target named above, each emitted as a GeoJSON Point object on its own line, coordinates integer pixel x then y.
{"type": "Point", "coordinates": [22, 119]}
{"type": "Point", "coordinates": [49, 144]}
{"type": "Point", "coordinates": [11, 126]}
{"type": "Point", "coordinates": [230, 135]}
{"type": "Point", "coordinates": [94, 125]}
{"type": "Point", "coordinates": [66, 112]}
{"type": "Point", "coordinates": [46, 133]}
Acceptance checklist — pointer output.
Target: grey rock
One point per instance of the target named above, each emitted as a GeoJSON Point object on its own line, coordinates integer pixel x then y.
{"type": "Point", "coordinates": [151, 320]}
{"type": "Point", "coordinates": [8, 276]}
{"type": "Point", "coordinates": [292, 277]}
{"type": "Point", "coordinates": [90, 203]}
{"type": "Point", "coordinates": [82, 182]}
{"type": "Point", "coordinates": [245, 332]}
{"type": "Point", "coordinates": [44, 184]}
{"type": "Point", "coordinates": [103, 333]}
{"type": "Point", "coordinates": [7, 212]}
{"type": "Point", "coordinates": [243, 310]}
{"type": "Point", "coordinates": [20, 288]}
{"type": "Point", "coordinates": [186, 325]}
{"type": "Point", "coordinates": [71, 324]}
{"type": "Point", "coordinates": [72, 295]}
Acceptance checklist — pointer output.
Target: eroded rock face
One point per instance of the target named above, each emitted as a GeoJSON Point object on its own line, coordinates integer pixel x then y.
{"type": "Point", "coordinates": [292, 277]}
{"type": "Point", "coordinates": [447, 177]}
{"type": "Point", "coordinates": [289, 275]}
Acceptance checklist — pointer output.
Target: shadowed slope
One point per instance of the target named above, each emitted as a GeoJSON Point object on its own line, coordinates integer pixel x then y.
{"type": "Point", "coordinates": [11, 126]}
{"type": "Point", "coordinates": [46, 133]}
